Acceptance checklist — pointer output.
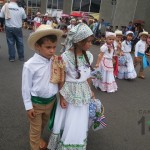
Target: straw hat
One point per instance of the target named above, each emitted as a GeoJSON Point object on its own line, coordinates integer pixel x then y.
{"type": "Point", "coordinates": [38, 13]}
{"type": "Point", "coordinates": [143, 33]}
{"type": "Point", "coordinates": [118, 32]}
{"type": "Point", "coordinates": [41, 31]}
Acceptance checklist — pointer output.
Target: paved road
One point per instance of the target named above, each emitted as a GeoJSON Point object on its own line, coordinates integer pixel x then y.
{"type": "Point", "coordinates": [123, 109]}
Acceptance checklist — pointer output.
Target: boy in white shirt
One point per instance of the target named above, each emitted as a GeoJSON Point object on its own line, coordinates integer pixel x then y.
{"type": "Point", "coordinates": [140, 56]}
{"type": "Point", "coordinates": [39, 94]}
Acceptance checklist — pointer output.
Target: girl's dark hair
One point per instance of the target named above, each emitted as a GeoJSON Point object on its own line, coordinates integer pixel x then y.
{"type": "Point", "coordinates": [87, 60]}
{"type": "Point", "coordinates": [85, 56]}
{"type": "Point", "coordinates": [52, 38]}
{"type": "Point", "coordinates": [76, 62]}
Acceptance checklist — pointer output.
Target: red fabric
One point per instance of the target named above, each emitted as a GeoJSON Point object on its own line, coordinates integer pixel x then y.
{"type": "Point", "coordinates": [115, 65]}
{"type": "Point", "coordinates": [37, 24]}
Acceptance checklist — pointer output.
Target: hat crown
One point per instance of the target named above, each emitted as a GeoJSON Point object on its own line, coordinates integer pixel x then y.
{"type": "Point", "coordinates": [44, 27]}
{"type": "Point", "coordinates": [118, 32]}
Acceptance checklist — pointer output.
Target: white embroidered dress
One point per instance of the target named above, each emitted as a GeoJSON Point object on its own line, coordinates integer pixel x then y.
{"type": "Point", "coordinates": [107, 83]}
{"type": "Point", "coordinates": [71, 124]}
{"type": "Point", "coordinates": [126, 68]}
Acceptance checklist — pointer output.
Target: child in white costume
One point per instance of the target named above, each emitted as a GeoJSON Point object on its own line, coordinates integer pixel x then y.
{"type": "Point", "coordinates": [72, 114]}
{"type": "Point", "coordinates": [140, 57]}
{"type": "Point", "coordinates": [39, 94]}
{"type": "Point", "coordinates": [117, 52]}
{"type": "Point", "coordinates": [105, 65]}
{"type": "Point", "coordinates": [126, 70]}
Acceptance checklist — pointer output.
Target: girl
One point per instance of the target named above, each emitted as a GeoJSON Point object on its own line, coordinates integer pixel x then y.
{"type": "Point", "coordinates": [37, 20]}
{"type": "Point", "coordinates": [71, 119]}
{"type": "Point", "coordinates": [126, 68]}
{"type": "Point", "coordinates": [105, 65]}
{"type": "Point", "coordinates": [117, 48]}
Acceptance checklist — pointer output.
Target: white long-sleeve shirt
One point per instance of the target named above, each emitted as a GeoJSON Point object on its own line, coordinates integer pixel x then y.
{"type": "Point", "coordinates": [140, 47]}
{"type": "Point", "coordinates": [36, 80]}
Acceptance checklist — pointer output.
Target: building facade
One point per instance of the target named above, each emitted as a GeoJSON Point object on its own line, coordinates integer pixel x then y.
{"type": "Point", "coordinates": [117, 12]}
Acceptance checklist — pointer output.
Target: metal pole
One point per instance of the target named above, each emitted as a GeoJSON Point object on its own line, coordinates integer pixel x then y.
{"type": "Point", "coordinates": [90, 6]}
{"type": "Point", "coordinates": [27, 7]}
{"type": "Point", "coordinates": [57, 4]}
{"type": "Point", "coordinates": [80, 5]}
{"type": "Point", "coordinates": [135, 10]}
{"type": "Point", "coordinates": [46, 5]}
{"type": "Point", "coordinates": [72, 5]}
{"type": "Point", "coordinates": [52, 7]}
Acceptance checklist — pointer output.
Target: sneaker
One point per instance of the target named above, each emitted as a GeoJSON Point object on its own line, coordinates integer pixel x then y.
{"type": "Point", "coordinates": [21, 59]}
{"type": "Point", "coordinates": [11, 60]}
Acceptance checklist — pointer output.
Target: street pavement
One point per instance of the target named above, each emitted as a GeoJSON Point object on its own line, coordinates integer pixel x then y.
{"type": "Point", "coordinates": [127, 111]}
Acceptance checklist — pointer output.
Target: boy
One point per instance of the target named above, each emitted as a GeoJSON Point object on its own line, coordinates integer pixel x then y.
{"type": "Point", "coordinates": [39, 94]}
{"type": "Point", "coordinates": [140, 57]}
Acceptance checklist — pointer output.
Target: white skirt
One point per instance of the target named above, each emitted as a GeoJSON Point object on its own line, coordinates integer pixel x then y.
{"type": "Point", "coordinates": [107, 83]}
{"type": "Point", "coordinates": [70, 128]}
{"type": "Point", "coordinates": [127, 71]}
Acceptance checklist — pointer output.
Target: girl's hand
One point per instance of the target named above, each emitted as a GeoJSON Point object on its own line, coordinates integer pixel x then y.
{"type": "Point", "coordinates": [97, 65]}
{"type": "Point", "coordinates": [31, 113]}
{"type": "Point", "coordinates": [63, 103]}
{"type": "Point", "coordinates": [93, 95]}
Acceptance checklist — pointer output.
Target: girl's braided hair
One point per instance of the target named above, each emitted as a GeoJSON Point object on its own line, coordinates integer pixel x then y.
{"type": "Point", "coordinates": [85, 56]}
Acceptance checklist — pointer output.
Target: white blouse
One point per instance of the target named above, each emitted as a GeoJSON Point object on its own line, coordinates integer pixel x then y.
{"type": "Point", "coordinates": [37, 20]}
{"type": "Point", "coordinates": [36, 80]}
{"type": "Point", "coordinates": [71, 74]}
{"type": "Point", "coordinates": [140, 47]}
{"type": "Point", "coordinates": [126, 46]}
{"type": "Point", "coordinates": [107, 54]}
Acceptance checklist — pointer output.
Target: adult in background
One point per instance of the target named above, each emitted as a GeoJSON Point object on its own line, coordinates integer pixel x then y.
{"type": "Point", "coordinates": [2, 20]}
{"type": "Point", "coordinates": [13, 25]}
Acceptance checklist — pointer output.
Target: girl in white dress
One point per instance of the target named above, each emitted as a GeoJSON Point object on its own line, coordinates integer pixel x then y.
{"type": "Point", "coordinates": [105, 65]}
{"type": "Point", "coordinates": [126, 68]}
{"type": "Point", "coordinates": [72, 113]}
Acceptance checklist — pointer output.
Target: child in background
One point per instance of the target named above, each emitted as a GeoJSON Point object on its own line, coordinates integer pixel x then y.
{"type": "Point", "coordinates": [72, 114]}
{"type": "Point", "coordinates": [37, 20]}
{"type": "Point", "coordinates": [140, 56]}
{"type": "Point", "coordinates": [39, 94]}
{"type": "Point", "coordinates": [117, 52]}
{"type": "Point", "coordinates": [126, 68]}
{"type": "Point", "coordinates": [49, 20]}
{"type": "Point", "coordinates": [105, 65]}
{"type": "Point", "coordinates": [147, 52]}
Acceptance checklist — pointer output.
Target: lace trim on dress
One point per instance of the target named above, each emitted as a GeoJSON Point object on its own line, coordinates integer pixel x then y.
{"type": "Point", "coordinates": [56, 144]}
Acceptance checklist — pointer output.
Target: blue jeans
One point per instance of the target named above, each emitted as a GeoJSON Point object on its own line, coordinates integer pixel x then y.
{"type": "Point", "coordinates": [15, 37]}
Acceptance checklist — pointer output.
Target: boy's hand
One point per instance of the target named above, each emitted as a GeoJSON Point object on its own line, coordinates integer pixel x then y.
{"type": "Point", "coordinates": [63, 103]}
{"type": "Point", "coordinates": [31, 113]}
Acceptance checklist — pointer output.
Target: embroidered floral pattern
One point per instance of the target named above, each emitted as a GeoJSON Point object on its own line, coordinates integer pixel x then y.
{"type": "Point", "coordinates": [55, 144]}
{"type": "Point", "coordinates": [53, 141]}
{"type": "Point", "coordinates": [63, 146]}
{"type": "Point", "coordinates": [81, 60]}
{"type": "Point", "coordinates": [76, 93]}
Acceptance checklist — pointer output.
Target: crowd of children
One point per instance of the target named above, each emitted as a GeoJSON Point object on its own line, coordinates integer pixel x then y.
{"type": "Point", "coordinates": [70, 125]}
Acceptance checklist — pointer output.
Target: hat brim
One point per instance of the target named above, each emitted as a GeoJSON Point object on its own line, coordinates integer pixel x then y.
{"type": "Point", "coordinates": [143, 34]}
{"type": "Point", "coordinates": [35, 36]}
